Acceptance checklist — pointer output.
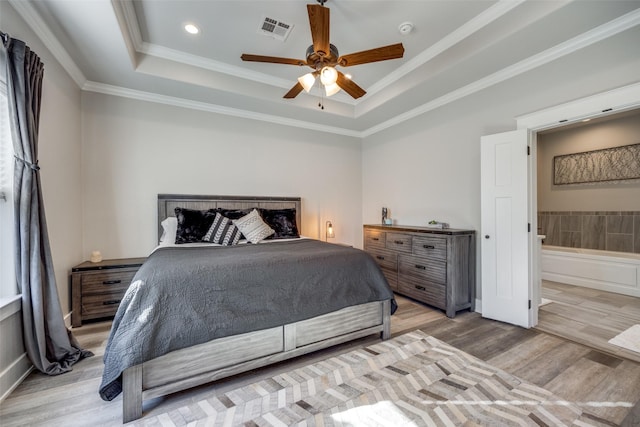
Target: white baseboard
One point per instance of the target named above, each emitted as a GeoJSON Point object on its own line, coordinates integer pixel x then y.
{"type": "Point", "coordinates": [13, 375]}
{"type": "Point", "coordinates": [478, 306]}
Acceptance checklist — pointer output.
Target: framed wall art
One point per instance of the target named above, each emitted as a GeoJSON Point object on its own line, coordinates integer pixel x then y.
{"type": "Point", "coordinates": [607, 164]}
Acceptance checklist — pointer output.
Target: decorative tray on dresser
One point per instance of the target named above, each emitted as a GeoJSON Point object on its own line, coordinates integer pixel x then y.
{"type": "Point", "coordinates": [98, 287]}
{"type": "Point", "coordinates": [434, 266]}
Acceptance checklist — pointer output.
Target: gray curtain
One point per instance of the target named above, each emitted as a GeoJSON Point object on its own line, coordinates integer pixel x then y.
{"type": "Point", "coordinates": [50, 345]}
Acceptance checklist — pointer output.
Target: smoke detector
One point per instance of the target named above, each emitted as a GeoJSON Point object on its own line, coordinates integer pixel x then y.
{"type": "Point", "coordinates": [277, 29]}
{"type": "Point", "coordinates": [405, 28]}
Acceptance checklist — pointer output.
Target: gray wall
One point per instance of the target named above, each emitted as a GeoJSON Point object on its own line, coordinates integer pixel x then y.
{"type": "Point", "coordinates": [429, 167]}
{"type": "Point", "coordinates": [134, 150]}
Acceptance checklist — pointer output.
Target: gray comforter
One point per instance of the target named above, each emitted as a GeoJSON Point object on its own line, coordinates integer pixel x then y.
{"type": "Point", "coordinates": [183, 296]}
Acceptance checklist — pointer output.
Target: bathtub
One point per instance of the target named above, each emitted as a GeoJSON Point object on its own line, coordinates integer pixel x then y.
{"type": "Point", "coordinates": [608, 271]}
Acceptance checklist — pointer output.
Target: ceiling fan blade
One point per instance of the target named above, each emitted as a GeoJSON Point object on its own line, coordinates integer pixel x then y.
{"type": "Point", "coordinates": [294, 91]}
{"type": "Point", "coordinates": [319, 23]}
{"type": "Point", "coordinates": [349, 86]}
{"type": "Point", "coordinates": [383, 53]}
{"type": "Point", "coordinates": [272, 59]}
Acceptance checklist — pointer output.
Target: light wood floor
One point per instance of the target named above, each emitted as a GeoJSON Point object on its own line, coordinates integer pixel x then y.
{"type": "Point", "coordinates": [606, 386]}
{"type": "Point", "coordinates": [588, 316]}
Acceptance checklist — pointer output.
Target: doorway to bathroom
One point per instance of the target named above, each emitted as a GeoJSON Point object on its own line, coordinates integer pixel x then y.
{"type": "Point", "coordinates": [590, 257]}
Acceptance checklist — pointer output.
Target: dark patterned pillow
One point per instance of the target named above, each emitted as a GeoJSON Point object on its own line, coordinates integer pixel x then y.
{"type": "Point", "coordinates": [222, 232]}
{"type": "Point", "coordinates": [283, 222]}
{"type": "Point", "coordinates": [233, 213]}
{"type": "Point", "coordinates": [192, 224]}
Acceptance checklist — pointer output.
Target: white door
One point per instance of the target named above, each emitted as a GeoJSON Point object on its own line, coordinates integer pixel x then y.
{"type": "Point", "coordinates": [504, 227]}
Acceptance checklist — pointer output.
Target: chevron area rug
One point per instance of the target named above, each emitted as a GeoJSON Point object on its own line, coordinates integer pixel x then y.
{"type": "Point", "coordinates": [411, 380]}
{"type": "Point", "coordinates": [629, 339]}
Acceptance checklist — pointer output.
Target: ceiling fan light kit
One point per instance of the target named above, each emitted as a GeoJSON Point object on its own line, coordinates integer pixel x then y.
{"type": "Point", "coordinates": [323, 57]}
{"type": "Point", "coordinates": [307, 81]}
{"type": "Point", "coordinates": [328, 76]}
{"type": "Point", "coordinates": [331, 89]}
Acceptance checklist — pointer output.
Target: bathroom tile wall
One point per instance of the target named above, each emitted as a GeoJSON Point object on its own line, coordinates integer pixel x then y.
{"type": "Point", "coordinates": [611, 231]}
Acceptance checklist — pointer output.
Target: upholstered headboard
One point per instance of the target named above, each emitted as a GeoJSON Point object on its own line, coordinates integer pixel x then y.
{"type": "Point", "coordinates": [168, 202]}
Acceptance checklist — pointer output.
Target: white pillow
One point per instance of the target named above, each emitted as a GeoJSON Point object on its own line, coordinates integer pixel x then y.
{"type": "Point", "coordinates": [170, 228]}
{"type": "Point", "coordinates": [253, 227]}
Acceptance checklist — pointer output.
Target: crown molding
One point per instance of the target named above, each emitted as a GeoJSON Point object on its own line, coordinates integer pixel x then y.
{"type": "Point", "coordinates": [34, 20]}
{"type": "Point", "coordinates": [609, 102]}
{"type": "Point", "coordinates": [212, 65]}
{"type": "Point", "coordinates": [126, 17]}
{"type": "Point", "coordinates": [477, 23]}
{"type": "Point", "coordinates": [133, 37]}
{"type": "Point", "coordinates": [581, 41]}
{"type": "Point", "coordinates": [44, 33]}
{"type": "Point", "coordinates": [467, 29]}
{"type": "Point", "coordinates": [213, 108]}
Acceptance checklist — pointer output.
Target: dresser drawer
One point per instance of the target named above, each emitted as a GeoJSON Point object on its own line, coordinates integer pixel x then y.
{"type": "Point", "coordinates": [392, 278]}
{"type": "Point", "coordinates": [103, 305]}
{"type": "Point", "coordinates": [384, 258]}
{"type": "Point", "coordinates": [422, 268]}
{"type": "Point", "coordinates": [430, 247]}
{"type": "Point", "coordinates": [374, 239]}
{"type": "Point", "coordinates": [399, 242]}
{"type": "Point", "coordinates": [431, 293]}
{"type": "Point", "coordinates": [106, 282]}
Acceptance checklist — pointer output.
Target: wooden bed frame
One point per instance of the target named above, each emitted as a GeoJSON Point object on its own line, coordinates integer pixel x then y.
{"type": "Point", "coordinates": [224, 357]}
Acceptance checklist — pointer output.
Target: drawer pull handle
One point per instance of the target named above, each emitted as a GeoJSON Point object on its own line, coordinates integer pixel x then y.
{"type": "Point", "coordinates": [375, 238]}
{"type": "Point", "coordinates": [421, 267]}
{"type": "Point", "coordinates": [420, 288]}
{"type": "Point", "coordinates": [111, 282]}
{"type": "Point", "coordinates": [111, 302]}
{"type": "Point", "coordinates": [428, 246]}
{"type": "Point", "coordinates": [398, 242]}
{"type": "Point", "coordinates": [379, 257]}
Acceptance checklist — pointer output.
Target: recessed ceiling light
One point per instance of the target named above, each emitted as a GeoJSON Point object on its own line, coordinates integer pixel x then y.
{"type": "Point", "coordinates": [191, 29]}
{"type": "Point", "coordinates": [586, 120]}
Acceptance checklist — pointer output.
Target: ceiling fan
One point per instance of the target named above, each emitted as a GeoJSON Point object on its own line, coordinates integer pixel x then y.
{"type": "Point", "coordinates": [323, 57]}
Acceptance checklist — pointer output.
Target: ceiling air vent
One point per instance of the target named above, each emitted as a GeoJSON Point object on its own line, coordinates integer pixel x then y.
{"type": "Point", "coordinates": [274, 28]}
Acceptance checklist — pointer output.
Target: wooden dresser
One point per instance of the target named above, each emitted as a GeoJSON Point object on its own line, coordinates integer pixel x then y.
{"type": "Point", "coordinates": [435, 266]}
{"type": "Point", "coordinates": [98, 287]}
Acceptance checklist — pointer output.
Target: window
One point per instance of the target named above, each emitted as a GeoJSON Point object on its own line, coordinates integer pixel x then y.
{"type": "Point", "coordinates": [8, 287]}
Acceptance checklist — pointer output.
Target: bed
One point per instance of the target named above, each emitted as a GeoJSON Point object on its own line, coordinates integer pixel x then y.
{"type": "Point", "coordinates": [311, 295]}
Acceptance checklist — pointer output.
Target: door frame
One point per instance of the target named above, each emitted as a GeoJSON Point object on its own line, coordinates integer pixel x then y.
{"type": "Point", "coordinates": [599, 105]}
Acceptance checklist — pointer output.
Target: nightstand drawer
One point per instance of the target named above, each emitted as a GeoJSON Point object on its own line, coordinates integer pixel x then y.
{"type": "Point", "coordinates": [422, 268]}
{"type": "Point", "coordinates": [399, 242]}
{"type": "Point", "coordinates": [97, 288]}
{"type": "Point", "coordinates": [106, 282]}
{"type": "Point", "coordinates": [430, 247]}
{"type": "Point", "coordinates": [104, 305]}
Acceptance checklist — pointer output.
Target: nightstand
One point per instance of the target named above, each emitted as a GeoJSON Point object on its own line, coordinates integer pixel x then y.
{"type": "Point", "coordinates": [98, 287]}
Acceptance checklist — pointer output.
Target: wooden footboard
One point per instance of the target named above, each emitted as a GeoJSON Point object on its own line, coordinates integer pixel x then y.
{"type": "Point", "coordinates": [224, 357]}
